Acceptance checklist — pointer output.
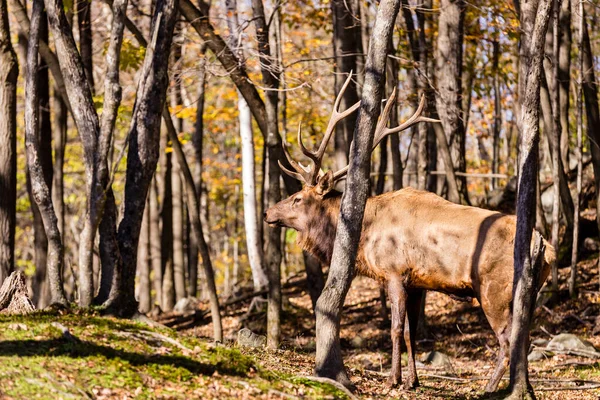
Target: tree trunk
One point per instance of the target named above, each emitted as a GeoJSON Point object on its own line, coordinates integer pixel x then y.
{"type": "Point", "coordinates": [144, 139]}
{"type": "Point", "coordinates": [555, 139]}
{"type": "Point", "coordinates": [329, 306]}
{"type": "Point", "coordinates": [40, 190]}
{"type": "Point", "coordinates": [497, 112]}
{"type": "Point", "coordinates": [564, 77]}
{"type": "Point", "coordinates": [270, 69]}
{"type": "Point", "coordinates": [143, 295]}
{"type": "Point", "coordinates": [194, 208]}
{"type": "Point", "coordinates": [84, 24]}
{"type": "Point", "coordinates": [592, 110]}
{"type": "Point", "coordinates": [346, 39]}
{"type": "Point", "coordinates": [168, 284]}
{"type": "Point", "coordinates": [9, 72]}
{"type": "Point", "coordinates": [524, 284]}
{"type": "Point", "coordinates": [579, 98]}
{"type": "Point", "coordinates": [155, 243]}
{"type": "Point", "coordinates": [448, 73]}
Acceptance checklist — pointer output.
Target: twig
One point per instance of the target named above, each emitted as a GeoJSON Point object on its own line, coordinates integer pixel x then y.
{"type": "Point", "coordinates": [167, 339]}
{"type": "Point", "coordinates": [273, 392]}
{"type": "Point", "coordinates": [329, 381]}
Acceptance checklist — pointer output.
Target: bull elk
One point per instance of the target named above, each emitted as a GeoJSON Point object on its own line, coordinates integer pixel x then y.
{"type": "Point", "coordinates": [412, 241]}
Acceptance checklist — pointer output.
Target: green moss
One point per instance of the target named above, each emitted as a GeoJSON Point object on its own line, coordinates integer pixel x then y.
{"type": "Point", "coordinates": [118, 357]}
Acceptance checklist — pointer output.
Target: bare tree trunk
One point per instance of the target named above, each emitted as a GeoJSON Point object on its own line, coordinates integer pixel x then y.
{"type": "Point", "coordinates": [497, 112]}
{"type": "Point", "coordinates": [592, 110]}
{"type": "Point", "coordinates": [9, 72]}
{"type": "Point", "coordinates": [564, 77]}
{"type": "Point", "coordinates": [144, 139]}
{"type": "Point", "coordinates": [346, 39]}
{"type": "Point", "coordinates": [448, 72]}
{"type": "Point", "coordinates": [155, 243]}
{"type": "Point", "coordinates": [578, 151]}
{"type": "Point", "coordinates": [84, 24]}
{"type": "Point", "coordinates": [524, 283]}
{"type": "Point", "coordinates": [329, 361]}
{"type": "Point", "coordinates": [168, 284]}
{"type": "Point", "coordinates": [143, 287]}
{"type": "Point", "coordinates": [59, 143]}
{"type": "Point", "coordinates": [194, 208]}
{"type": "Point", "coordinates": [40, 190]}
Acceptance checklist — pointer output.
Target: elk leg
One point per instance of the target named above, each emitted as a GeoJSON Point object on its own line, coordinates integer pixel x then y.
{"type": "Point", "coordinates": [397, 295]}
{"type": "Point", "coordinates": [502, 362]}
{"type": "Point", "coordinates": [413, 309]}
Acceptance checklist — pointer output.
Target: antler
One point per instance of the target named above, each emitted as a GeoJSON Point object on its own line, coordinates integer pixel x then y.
{"type": "Point", "coordinates": [382, 130]}
{"type": "Point", "coordinates": [310, 175]}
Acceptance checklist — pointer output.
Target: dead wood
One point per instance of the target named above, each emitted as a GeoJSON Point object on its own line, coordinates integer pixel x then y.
{"type": "Point", "coordinates": [13, 295]}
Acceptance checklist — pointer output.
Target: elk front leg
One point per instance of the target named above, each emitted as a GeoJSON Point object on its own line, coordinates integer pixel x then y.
{"type": "Point", "coordinates": [397, 294]}
{"type": "Point", "coordinates": [413, 309]}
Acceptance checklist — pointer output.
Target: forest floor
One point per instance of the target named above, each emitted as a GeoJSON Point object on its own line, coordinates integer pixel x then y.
{"type": "Point", "coordinates": [106, 358]}
{"type": "Point", "coordinates": [457, 329]}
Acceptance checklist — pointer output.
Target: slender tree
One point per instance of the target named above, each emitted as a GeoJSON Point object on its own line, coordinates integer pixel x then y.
{"type": "Point", "coordinates": [329, 361]}
{"type": "Point", "coordinates": [524, 283]}
{"type": "Point", "coordinates": [9, 72]}
{"type": "Point", "coordinates": [40, 190]}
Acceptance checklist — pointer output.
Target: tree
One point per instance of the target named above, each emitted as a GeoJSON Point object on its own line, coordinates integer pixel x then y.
{"type": "Point", "coordinates": [524, 283]}
{"type": "Point", "coordinates": [9, 72]}
{"type": "Point", "coordinates": [39, 188]}
{"type": "Point", "coordinates": [346, 47]}
{"type": "Point", "coordinates": [329, 361]}
{"type": "Point", "coordinates": [448, 73]}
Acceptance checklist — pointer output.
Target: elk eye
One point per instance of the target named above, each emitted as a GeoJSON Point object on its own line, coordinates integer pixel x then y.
{"type": "Point", "coordinates": [297, 200]}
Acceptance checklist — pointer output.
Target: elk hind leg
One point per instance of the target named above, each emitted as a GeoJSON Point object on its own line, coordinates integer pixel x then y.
{"type": "Point", "coordinates": [413, 309]}
{"type": "Point", "coordinates": [502, 363]}
{"type": "Point", "coordinates": [397, 294]}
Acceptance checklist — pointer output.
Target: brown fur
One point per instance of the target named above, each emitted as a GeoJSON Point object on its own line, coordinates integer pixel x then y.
{"type": "Point", "coordinates": [413, 241]}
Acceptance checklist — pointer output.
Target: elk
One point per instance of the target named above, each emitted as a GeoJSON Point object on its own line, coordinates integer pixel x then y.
{"type": "Point", "coordinates": [411, 241]}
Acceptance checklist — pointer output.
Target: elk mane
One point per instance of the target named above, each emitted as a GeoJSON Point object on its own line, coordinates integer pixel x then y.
{"type": "Point", "coordinates": [319, 235]}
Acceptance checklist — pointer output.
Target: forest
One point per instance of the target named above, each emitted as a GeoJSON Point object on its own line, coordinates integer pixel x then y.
{"type": "Point", "coordinates": [278, 198]}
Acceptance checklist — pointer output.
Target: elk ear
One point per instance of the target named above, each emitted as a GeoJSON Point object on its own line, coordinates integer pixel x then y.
{"type": "Point", "coordinates": [325, 183]}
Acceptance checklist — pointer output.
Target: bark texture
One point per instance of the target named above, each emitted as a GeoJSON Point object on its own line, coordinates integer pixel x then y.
{"type": "Point", "coordinates": [329, 306]}
{"type": "Point", "coordinates": [9, 72]}
{"type": "Point", "coordinates": [526, 266]}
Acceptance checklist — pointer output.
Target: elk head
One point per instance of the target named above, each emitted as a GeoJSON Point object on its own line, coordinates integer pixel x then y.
{"type": "Point", "coordinates": [300, 210]}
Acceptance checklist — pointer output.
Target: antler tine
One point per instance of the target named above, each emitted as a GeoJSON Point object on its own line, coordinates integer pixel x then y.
{"type": "Point", "coordinates": [380, 131]}
{"type": "Point", "coordinates": [414, 119]}
{"type": "Point", "coordinates": [305, 151]}
{"type": "Point", "coordinates": [303, 172]}
{"type": "Point", "coordinates": [293, 174]}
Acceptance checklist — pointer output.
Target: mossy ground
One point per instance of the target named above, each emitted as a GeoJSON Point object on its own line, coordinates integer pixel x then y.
{"type": "Point", "coordinates": [113, 358]}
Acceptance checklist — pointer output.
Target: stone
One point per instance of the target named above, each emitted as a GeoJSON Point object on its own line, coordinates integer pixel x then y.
{"type": "Point", "coordinates": [437, 359]}
{"type": "Point", "coordinates": [185, 305]}
{"type": "Point", "coordinates": [568, 341]}
{"type": "Point", "coordinates": [247, 338]}
{"type": "Point", "coordinates": [357, 342]}
{"type": "Point", "coordinates": [17, 327]}
{"type": "Point", "coordinates": [537, 355]}
{"type": "Point", "coordinates": [540, 342]}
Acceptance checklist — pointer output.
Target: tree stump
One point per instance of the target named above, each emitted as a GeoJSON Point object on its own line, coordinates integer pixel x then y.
{"type": "Point", "coordinates": [14, 298]}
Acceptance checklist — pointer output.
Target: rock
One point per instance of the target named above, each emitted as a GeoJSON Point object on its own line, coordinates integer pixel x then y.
{"type": "Point", "coordinates": [357, 342]}
{"type": "Point", "coordinates": [247, 338]}
{"type": "Point", "coordinates": [17, 327]}
{"type": "Point", "coordinates": [437, 359]}
{"type": "Point", "coordinates": [185, 305]}
{"type": "Point", "coordinates": [591, 244]}
{"type": "Point", "coordinates": [540, 342]}
{"type": "Point", "coordinates": [568, 341]}
{"type": "Point", "coordinates": [537, 355]}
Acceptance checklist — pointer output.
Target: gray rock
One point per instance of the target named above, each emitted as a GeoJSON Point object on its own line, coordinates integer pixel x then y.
{"type": "Point", "coordinates": [537, 355]}
{"type": "Point", "coordinates": [185, 305]}
{"type": "Point", "coordinates": [540, 342]}
{"type": "Point", "coordinates": [591, 244]}
{"type": "Point", "coordinates": [247, 338]}
{"type": "Point", "coordinates": [568, 341]}
{"type": "Point", "coordinates": [17, 327]}
{"type": "Point", "coordinates": [437, 359]}
{"type": "Point", "coordinates": [358, 342]}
